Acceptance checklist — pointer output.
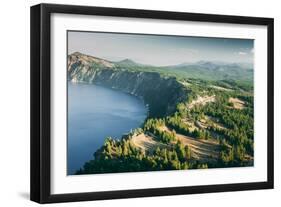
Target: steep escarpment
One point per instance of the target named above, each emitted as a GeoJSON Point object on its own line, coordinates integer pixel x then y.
{"type": "Point", "coordinates": [162, 94]}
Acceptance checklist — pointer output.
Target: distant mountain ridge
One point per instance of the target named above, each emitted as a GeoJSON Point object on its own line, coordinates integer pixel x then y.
{"type": "Point", "coordinates": [214, 70]}
{"type": "Point", "coordinates": [205, 70]}
{"type": "Point", "coordinates": [127, 63]}
{"type": "Point", "coordinates": [214, 64]}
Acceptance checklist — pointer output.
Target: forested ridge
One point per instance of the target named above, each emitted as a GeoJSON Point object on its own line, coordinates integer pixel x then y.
{"type": "Point", "coordinates": [218, 120]}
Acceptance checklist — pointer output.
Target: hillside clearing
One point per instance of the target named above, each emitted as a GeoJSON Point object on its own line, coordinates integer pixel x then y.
{"type": "Point", "coordinates": [203, 150]}
{"type": "Point", "coordinates": [146, 143]}
{"type": "Point", "coordinates": [201, 100]}
{"type": "Point", "coordinates": [221, 88]}
{"type": "Point", "coordinates": [237, 103]}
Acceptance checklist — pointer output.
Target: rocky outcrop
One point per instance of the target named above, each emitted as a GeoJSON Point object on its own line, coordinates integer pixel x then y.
{"type": "Point", "coordinates": [161, 93]}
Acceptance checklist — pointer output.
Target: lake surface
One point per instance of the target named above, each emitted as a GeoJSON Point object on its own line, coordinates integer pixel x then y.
{"type": "Point", "coordinates": [94, 113]}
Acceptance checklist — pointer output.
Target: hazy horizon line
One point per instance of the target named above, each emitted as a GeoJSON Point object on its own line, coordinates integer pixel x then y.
{"type": "Point", "coordinates": [141, 63]}
{"type": "Point", "coordinates": [161, 50]}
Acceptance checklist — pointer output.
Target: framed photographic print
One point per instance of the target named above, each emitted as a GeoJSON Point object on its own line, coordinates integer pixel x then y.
{"type": "Point", "coordinates": [132, 103]}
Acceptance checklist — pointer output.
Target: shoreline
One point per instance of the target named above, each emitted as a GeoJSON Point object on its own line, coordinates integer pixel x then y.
{"type": "Point", "coordinates": [125, 133]}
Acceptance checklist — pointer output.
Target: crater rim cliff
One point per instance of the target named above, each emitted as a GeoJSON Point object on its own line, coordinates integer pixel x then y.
{"type": "Point", "coordinates": [160, 93]}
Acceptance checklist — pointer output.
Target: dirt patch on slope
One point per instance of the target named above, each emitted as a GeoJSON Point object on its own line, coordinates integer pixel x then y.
{"type": "Point", "coordinates": [237, 103]}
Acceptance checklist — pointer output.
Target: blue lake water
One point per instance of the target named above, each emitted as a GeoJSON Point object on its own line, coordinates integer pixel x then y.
{"type": "Point", "coordinates": [94, 113]}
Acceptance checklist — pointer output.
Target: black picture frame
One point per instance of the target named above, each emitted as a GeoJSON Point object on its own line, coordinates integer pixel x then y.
{"type": "Point", "coordinates": [41, 99]}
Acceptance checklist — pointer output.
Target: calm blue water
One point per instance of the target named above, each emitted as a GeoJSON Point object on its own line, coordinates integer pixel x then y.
{"type": "Point", "coordinates": [95, 112]}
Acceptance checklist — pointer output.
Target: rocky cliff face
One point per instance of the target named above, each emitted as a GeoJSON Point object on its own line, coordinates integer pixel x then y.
{"type": "Point", "coordinates": [161, 93]}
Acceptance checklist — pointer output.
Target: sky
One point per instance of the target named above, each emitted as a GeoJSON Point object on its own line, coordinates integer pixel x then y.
{"type": "Point", "coordinates": [160, 50]}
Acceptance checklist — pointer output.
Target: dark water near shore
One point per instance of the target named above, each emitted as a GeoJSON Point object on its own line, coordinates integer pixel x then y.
{"type": "Point", "coordinates": [94, 113]}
